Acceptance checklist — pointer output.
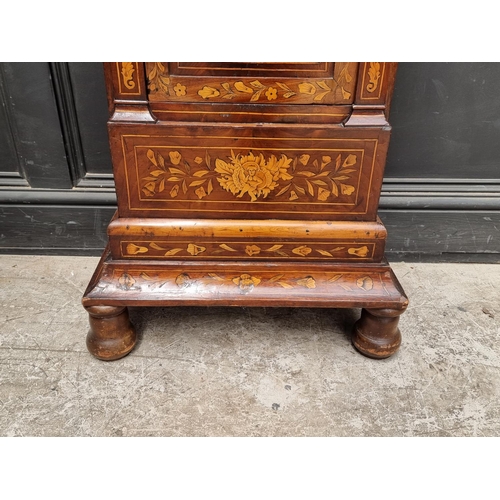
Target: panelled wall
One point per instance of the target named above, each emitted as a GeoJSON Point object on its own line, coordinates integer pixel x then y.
{"type": "Point", "coordinates": [440, 200]}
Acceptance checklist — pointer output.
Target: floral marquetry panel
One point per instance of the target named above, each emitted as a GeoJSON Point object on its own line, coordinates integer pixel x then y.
{"type": "Point", "coordinates": [229, 172]}
{"type": "Point", "coordinates": [262, 83]}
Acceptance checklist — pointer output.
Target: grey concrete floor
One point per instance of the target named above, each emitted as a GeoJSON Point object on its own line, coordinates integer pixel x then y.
{"type": "Point", "coordinates": [249, 372]}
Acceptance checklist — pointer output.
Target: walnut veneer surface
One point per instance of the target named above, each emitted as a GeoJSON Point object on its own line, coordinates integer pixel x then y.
{"type": "Point", "coordinates": [253, 184]}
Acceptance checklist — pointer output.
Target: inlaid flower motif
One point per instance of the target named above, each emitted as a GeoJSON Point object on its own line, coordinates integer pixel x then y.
{"type": "Point", "coordinates": [252, 250]}
{"type": "Point", "coordinates": [308, 282]}
{"type": "Point", "coordinates": [323, 194]}
{"type": "Point", "coordinates": [302, 250]}
{"type": "Point", "coordinates": [304, 159]}
{"type": "Point", "coordinates": [174, 191]}
{"type": "Point", "coordinates": [358, 252]}
{"type": "Point", "coordinates": [195, 249]}
{"type": "Point", "coordinates": [208, 92]}
{"type": "Point", "coordinates": [374, 75]}
{"type": "Point", "coordinates": [271, 93]}
{"type": "Point", "coordinates": [346, 189]}
{"type": "Point", "coordinates": [149, 189]}
{"type": "Point", "coordinates": [127, 73]}
{"type": "Point", "coordinates": [252, 174]}
{"type": "Point", "coordinates": [126, 282]}
{"type": "Point", "coordinates": [246, 283]}
{"type": "Point", "coordinates": [158, 78]}
{"type": "Point", "coordinates": [175, 157]}
{"type": "Point", "coordinates": [365, 283]}
{"type": "Point", "coordinates": [152, 158]}
{"type": "Point", "coordinates": [135, 249]}
{"type": "Point", "coordinates": [241, 87]}
{"type": "Point", "coordinates": [350, 161]}
{"type": "Point", "coordinates": [307, 88]}
{"type": "Point", "coordinates": [183, 280]}
{"type": "Point", "coordinates": [180, 90]}
{"type": "Point", "coordinates": [200, 192]}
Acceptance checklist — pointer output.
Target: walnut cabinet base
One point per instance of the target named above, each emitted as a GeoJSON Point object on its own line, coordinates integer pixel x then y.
{"type": "Point", "coordinates": [117, 284]}
{"type": "Point", "coordinates": [247, 184]}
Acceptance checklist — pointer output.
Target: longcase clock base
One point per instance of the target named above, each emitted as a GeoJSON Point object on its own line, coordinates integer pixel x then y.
{"type": "Point", "coordinates": [117, 284]}
{"type": "Point", "coordinates": [247, 184]}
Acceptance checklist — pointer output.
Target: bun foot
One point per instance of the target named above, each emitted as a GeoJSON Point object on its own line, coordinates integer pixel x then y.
{"type": "Point", "coordinates": [111, 335]}
{"type": "Point", "coordinates": [376, 333]}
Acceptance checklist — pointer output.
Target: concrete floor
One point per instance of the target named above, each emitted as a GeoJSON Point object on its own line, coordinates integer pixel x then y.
{"type": "Point", "coordinates": [249, 372]}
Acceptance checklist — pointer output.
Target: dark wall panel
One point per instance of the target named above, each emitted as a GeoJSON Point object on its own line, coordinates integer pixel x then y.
{"type": "Point", "coordinates": [91, 107]}
{"type": "Point", "coordinates": [54, 229]}
{"type": "Point", "coordinates": [446, 122]}
{"type": "Point", "coordinates": [10, 167]}
{"type": "Point", "coordinates": [31, 104]}
{"type": "Point", "coordinates": [442, 236]}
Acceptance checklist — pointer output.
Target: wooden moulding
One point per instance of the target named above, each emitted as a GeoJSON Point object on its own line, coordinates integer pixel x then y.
{"type": "Point", "coordinates": [181, 283]}
{"type": "Point", "coordinates": [277, 240]}
{"type": "Point", "coordinates": [117, 284]}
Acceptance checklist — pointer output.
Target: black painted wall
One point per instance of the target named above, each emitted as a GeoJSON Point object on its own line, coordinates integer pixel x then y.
{"type": "Point", "coordinates": [440, 200]}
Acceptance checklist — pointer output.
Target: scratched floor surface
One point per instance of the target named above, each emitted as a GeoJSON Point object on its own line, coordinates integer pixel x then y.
{"type": "Point", "coordinates": [249, 372]}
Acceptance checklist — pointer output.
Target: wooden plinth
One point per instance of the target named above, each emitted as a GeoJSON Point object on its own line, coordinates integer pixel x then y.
{"type": "Point", "coordinates": [120, 283]}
